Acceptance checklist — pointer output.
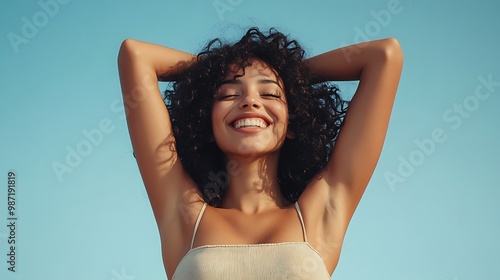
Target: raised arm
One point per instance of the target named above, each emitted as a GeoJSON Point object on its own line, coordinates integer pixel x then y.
{"type": "Point", "coordinates": [377, 65]}
{"type": "Point", "coordinates": [140, 64]}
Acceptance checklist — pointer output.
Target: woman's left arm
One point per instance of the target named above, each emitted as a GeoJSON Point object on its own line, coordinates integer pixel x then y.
{"type": "Point", "coordinates": [377, 65]}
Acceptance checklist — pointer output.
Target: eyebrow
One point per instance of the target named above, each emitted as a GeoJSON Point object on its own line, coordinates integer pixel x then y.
{"type": "Point", "coordinates": [238, 82]}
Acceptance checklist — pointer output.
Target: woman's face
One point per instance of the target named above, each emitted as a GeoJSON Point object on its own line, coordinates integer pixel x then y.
{"type": "Point", "coordinates": [250, 113]}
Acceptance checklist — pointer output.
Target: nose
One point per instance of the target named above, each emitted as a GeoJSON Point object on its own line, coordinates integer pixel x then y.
{"type": "Point", "coordinates": [250, 101]}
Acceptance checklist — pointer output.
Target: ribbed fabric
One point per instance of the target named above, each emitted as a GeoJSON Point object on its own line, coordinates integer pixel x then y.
{"type": "Point", "coordinates": [286, 260]}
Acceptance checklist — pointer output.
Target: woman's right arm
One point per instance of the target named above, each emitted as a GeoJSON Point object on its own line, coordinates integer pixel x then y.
{"type": "Point", "coordinates": [140, 66]}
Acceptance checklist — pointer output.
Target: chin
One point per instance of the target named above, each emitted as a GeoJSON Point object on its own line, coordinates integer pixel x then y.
{"type": "Point", "coordinates": [250, 151]}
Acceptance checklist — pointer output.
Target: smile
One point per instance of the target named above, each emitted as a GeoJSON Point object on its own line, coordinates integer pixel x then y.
{"type": "Point", "coordinates": [250, 122]}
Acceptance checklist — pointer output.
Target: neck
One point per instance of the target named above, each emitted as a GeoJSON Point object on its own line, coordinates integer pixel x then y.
{"type": "Point", "coordinates": [253, 185]}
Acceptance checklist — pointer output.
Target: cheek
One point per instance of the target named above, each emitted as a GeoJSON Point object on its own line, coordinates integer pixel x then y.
{"type": "Point", "coordinates": [281, 112]}
{"type": "Point", "coordinates": [217, 113]}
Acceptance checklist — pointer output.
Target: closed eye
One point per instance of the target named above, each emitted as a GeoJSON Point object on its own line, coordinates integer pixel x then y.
{"type": "Point", "coordinates": [271, 95]}
{"type": "Point", "coordinates": [226, 96]}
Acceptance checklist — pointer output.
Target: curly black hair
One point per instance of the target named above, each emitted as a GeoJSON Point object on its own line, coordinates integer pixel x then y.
{"type": "Point", "coordinates": [316, 112]}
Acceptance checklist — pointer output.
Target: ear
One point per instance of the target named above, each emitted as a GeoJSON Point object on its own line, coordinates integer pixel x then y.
{"type": "Point", "coordinates": [289, 134]}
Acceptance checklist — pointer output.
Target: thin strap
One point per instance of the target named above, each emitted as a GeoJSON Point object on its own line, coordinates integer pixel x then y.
{"type": "Point", "coordinates": [301, 221]}
{"type": "Point", "coordinates": [197, 223]}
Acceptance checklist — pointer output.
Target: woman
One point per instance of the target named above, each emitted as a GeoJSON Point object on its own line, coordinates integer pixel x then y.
{"type": "Point", "coordinates": [247, 170]}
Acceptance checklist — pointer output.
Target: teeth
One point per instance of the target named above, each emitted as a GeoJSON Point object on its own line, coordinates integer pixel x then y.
{"type": "Point", "coordinates": [253, 122]}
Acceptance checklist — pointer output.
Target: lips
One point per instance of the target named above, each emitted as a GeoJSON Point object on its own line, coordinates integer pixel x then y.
{"type": "Point", "coordinates": [250, 122]}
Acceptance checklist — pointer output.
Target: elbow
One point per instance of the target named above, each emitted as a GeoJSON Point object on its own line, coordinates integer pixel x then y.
{"type": "Point", "coordinates": [392, 50]}
{"type": "Point", "coordinates": [128, 51]}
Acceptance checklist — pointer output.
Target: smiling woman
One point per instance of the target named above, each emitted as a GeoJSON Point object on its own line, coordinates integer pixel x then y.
{"type": "Point", "coordinates": [278, 64]}
{"type": "Point", "coordinates": [250, 113]}
{"type": "Point", "coordinates": [246, 169]}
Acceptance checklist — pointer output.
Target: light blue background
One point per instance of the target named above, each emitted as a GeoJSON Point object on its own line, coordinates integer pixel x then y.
{"type": "Point", "coordinates": [439, 222]}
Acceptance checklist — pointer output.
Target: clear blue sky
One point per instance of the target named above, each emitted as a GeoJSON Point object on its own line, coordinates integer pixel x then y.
{"type": "Point", "coordinates": [431, 210]}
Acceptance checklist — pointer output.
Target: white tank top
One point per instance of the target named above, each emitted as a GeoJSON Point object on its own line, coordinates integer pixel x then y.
{"type": "Point", "coordinates": [269, 261]}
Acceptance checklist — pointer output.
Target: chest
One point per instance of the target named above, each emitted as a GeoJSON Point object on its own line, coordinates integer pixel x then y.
{"type": "Point", "coordinates": [224, 227]}
{"type": "Point", "coordinates": [292, 260]}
